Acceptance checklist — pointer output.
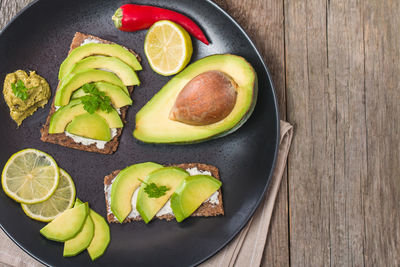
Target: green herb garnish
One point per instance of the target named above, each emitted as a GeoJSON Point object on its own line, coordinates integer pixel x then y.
{"type": "Point", "coordinates": [20, 90]}
{"type": "Point", "coordinates": [95, 99]}
{"type": "Point", "coordinates": [154, 191]}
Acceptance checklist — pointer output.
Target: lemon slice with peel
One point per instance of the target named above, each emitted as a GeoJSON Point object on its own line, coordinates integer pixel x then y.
{"type": "Point", "coordinates": [168, 47]}
{"type": "Point", "coordinates": [62, 199]}
{"type": "Point", "coordinates": [30, 176]}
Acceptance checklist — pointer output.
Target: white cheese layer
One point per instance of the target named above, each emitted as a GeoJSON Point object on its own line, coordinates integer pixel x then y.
{"type": "Point", "coordinates": [90, 40]}
{"type": "Point", "coordinates": [166, 209]}
{"type": "Point", "coordinates": [87, 141]}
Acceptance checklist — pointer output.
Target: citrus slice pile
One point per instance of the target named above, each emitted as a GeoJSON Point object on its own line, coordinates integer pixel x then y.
{"type": "Point", "coordinates": [168, 47]}
{"type": "Point", "coordinates": [32, 178]}
{"type": "Point", "coordinates": [62, 199]}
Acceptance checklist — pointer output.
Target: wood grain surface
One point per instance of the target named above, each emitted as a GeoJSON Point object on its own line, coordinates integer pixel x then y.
{"type": "Point", "coordinates": [335, 65]}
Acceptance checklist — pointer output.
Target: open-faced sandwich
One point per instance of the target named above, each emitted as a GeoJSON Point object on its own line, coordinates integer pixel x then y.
{"type": "Point", "coordinates": [93, 95]}
{"type": "Point", "coordinates": [149, 190]}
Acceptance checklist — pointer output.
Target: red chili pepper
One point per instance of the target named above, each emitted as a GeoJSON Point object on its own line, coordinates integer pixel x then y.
{"type": "Point", "coordinates": [132, 17]}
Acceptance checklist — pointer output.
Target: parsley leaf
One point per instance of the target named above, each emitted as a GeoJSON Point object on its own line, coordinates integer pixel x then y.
{"type": "Point", "coordinates": [20, 90]}
{"type": "Point", "coordinates": [95, 99]}
{"type": "Point", "coordinates": [154, 191]}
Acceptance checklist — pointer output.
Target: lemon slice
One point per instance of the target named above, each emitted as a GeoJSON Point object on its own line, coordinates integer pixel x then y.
{"type": "Point", "coordinates": [62, 199]}
{"type": "Point", "coordinates": [30, 176]}
{"type": "Point", "coordinates": [168, 47]}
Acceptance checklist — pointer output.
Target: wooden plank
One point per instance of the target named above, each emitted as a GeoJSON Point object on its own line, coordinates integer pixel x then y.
{"type": "Point", "coordinates": [310, 162]}
{"type": "Point", "coordinates": [343, 168]}
{"type": "Point", "coordinates": [381, 196]}
{"type": "Point", "coordinates": [8, 9]}
{"type": "Point", "coordinates": [263, 21]}
{"type": "Point", "coordinates": [346, 132]}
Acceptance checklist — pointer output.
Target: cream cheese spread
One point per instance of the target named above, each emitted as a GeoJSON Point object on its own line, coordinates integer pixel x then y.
{"type": "Point", "coordinates": [90, 40]}
{"type": "Point", "coordinates": [87, 141]}
{"type": "Point", "coordinates": [166, 209]}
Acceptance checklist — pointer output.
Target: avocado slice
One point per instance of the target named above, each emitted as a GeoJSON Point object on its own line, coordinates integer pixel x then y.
{"type": "Point", "coordinates": [153, 124]}
{"type": "Point", "coordinates": [64, 115]}
{"type": "Point", "coordinates": [112, 50]}
{"type": "Point", "coordinates": [82, 240]}
{"type": "Point", "coordinates": [125, 184]}
{"type": "Point", "coordinates": [191, 193]}
{"type": "Point", "coordinates": [90, 126]}
{"type": "Point", "coordinates": [126, 73]}
{"type": "Point", "coordinates": [74, 81]}
{"type": "Point", "coordinates": [170, 177]}
{"type": "Point", "coordinates": [66, 225]}
{"type": "Point", "coordinates": [101, 237]}
{"type": "Point", "coordinates": [118, 97]}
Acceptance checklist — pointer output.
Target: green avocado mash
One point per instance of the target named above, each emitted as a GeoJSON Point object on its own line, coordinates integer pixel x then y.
{"type": "Point", "coordinates": [37, 89]}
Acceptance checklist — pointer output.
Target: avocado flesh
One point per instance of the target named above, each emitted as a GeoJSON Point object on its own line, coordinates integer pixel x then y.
{"type": "Point", "coordinates": [74, 81]}
{"type": "Point", "coordinates": [118, 97]}
{"type": "Point", "coordinates": [66, 225]}
{"type": "Point", "coordinates": [127, 75]}
{"type": "Point", "coordinates": [112, 50]}
{"type": "Point", "coordinates": [170, 177]}
{"type": "Point", "coordinates": [152, 121]}
{"type": "Point", "coordinates": [101, 237]}
{"type": "Point", "coordinates": [64, 115]}
{"type": "Point", "coordinates": [191, 193]}
{"type": "Point", "coordinates": [82, 240]}
{"type": "Point", "coordinates": [125, 184]}
{"type": "Point", "coordinates": [91, 126]}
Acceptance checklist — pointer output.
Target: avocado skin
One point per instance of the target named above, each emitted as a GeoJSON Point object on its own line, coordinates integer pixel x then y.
{"type": "Point", "coordinates": [186, 73]}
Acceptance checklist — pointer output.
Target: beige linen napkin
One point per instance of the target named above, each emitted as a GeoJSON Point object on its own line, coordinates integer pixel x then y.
{"type": "Point", "coordinates": [245, 250]}
{"type": "Point", "coordinates": [248, 246]}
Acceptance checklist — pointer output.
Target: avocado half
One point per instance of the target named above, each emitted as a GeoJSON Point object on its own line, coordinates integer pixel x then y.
{"type": "Point", "coordinates": [152, 121]}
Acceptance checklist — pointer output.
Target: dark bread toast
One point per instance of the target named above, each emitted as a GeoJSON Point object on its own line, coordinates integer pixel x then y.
{"type": "Point", "coordinates": [64, 140]}
{"type": "Point", "coordinates": [206, 209]}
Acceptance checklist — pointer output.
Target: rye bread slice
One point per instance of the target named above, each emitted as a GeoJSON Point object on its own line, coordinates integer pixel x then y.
{"type": "Point", "coordinates": [64, 140]}
{"type": "Point", "coordinates": [206, 209]}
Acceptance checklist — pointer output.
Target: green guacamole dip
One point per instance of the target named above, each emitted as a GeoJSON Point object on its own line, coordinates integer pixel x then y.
{"type": "Point", "coordinates": [38, 94]}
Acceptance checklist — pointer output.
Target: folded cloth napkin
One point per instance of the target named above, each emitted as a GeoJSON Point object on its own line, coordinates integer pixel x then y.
{"type": "Point", "coordinates": [245, 250]}
{"type": "Point", "coordinates": [248, 246]}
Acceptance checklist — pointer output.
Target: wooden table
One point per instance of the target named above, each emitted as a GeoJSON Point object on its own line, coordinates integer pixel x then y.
{"type": "Point", "coordinates": [335, 65]}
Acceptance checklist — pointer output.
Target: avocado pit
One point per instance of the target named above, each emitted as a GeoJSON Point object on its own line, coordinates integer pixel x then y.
{"type": "Point", "coordinates": [206, 99]}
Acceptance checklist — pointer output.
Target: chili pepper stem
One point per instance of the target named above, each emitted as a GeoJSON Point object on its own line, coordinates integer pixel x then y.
{"type": "Point", "coordinates": [117, 18]}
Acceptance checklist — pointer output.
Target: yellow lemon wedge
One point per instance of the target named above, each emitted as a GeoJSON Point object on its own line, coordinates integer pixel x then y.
{"type": "Point", "coordinates": [168, 47]}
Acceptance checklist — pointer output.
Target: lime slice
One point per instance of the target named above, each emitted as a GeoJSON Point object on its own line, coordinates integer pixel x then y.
{"type": "Point", "coordinates": [30, 176]}
{"type": "Point", "coordinates": [168, 47]}
{"type": "Point", "coordinates": [62, 199]}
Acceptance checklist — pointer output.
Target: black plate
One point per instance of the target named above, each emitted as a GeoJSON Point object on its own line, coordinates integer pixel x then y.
{"type": "Point", "coordinates": [39, 38]}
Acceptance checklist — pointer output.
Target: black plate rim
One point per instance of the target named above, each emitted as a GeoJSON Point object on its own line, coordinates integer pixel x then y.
{"type": "Point", "coordinates": [277, 141]}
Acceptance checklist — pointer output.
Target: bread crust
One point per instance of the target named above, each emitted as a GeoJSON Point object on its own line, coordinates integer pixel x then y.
{"type": "Point", "coordinates": [64, 140]}
{"type": "Point", "coordinates": [206, 209]}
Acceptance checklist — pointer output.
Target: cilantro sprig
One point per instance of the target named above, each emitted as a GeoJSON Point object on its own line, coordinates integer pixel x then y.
{"type": "Point", "coordinates": [95, 99]}
{"type": "Point", "coordinates": [153, 190]}
{"type": "Point", "coordinates": [20, 90]}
